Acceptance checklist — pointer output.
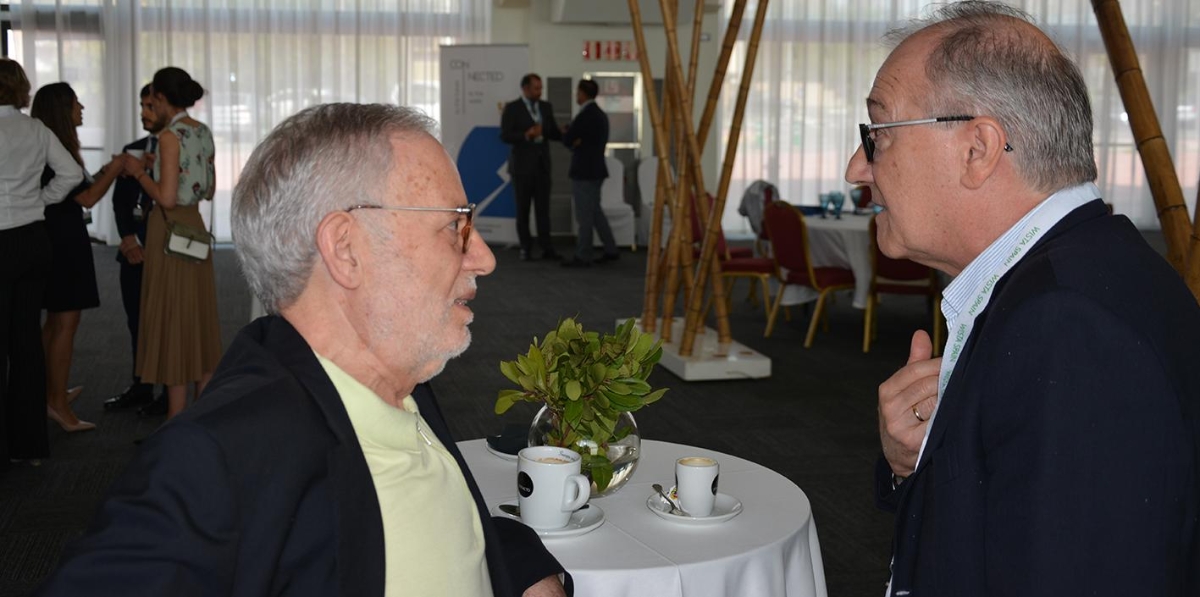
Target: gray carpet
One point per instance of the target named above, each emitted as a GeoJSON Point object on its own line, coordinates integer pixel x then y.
{"type": "Point", "coordinates": [813, 420]}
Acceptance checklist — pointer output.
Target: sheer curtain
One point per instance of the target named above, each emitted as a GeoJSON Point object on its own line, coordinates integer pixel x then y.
{"type": "Point", "coordinates": [818, 58]}
{"type": "Point", "coordinates": [259, 62]}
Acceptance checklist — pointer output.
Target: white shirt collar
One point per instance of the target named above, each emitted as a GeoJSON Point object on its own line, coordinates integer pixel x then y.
{"type": "Point", "coordinates": [962, 289]}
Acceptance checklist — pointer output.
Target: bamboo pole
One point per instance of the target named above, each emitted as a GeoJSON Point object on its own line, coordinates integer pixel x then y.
{"type": "Point", "coordinates": [707, 264]}
{"type": "Point", "coordinates": [660, 139]}
{"type": "Point", "coordinates": [1156, 156]}
{"type": "Point", "coordinates": [739, 110]}
{"type": "Point", "coordinates": [693, 63]}
{"type": "Point", "coordinates": [714, 88]}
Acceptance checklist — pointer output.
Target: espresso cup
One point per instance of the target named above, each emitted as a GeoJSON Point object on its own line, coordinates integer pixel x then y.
{"type": "Point", "coordinates": [696, 484]}
{"type": "Point", "coordinates": [549, 486]}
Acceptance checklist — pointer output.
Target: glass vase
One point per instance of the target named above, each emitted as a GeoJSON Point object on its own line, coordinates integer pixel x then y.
{"type": "Point", "coordinates": [623, 453]}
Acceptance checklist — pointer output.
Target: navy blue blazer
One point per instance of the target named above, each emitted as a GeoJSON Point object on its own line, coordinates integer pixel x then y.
{"type": "Point", "coordinates": [261, 488]}
{"type": "Point", "coordinates": [127, 192]}
{"type": "Point", "coordinates": [1064, 456]}
{"type": "Point", "coordinates": [527, 157]}
{"type": "Point", "coordinates": [590, 129]}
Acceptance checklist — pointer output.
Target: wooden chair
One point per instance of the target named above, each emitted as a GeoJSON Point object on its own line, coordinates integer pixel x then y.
{"type": "Point", "coordinates": [900, 276]}
{"type": "Point", "coordinates": [789, 244]}
{"type": "Point", "coordinates": [736, 263]}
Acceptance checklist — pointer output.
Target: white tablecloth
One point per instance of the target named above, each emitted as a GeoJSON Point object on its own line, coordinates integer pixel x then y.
{"type": "Point", "coordinates": [768, 550]}
{"type": "Point", "coordinates": [838, 243]}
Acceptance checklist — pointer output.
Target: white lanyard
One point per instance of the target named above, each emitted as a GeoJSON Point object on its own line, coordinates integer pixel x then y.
{"type": "Point", "coordinates": [1019, 239]}
{"type": "Point", "coordinates": [534, 112]}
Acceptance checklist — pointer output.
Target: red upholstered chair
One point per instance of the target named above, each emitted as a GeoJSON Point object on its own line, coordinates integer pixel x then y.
{"type": "Point", "coordinates": [900, 276]}
{"type": "Point", "coordinates": [724, 251]}
{"type": "Point", "coordinates": [789, 243]}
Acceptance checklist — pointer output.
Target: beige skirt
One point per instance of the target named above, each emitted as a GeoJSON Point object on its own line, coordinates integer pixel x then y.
{"type": "Point", "coordinates": [179, 335]}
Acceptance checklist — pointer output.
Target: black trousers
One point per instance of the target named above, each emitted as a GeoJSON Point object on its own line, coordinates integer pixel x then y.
{"type": "Point", "coordinates": [533, 187]}
{"type": "Point", "coordinates": [24, 270]}
{"type": "Point", "coordinates": [131, 299]}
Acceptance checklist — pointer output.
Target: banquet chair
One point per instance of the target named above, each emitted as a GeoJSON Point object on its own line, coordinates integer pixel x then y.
{"type": "Point", "coordinates": [900, 276]}
{"type": "Point", "coordinates": [754, 200]}
{"type": "Point", "coordinates": [619, 214]}
{"type": "Point", "coordinates": [735, 263]}
{"type": "Point", "coordinates": [724, 251]}
{"type": "Point", "coordinates": [789, 241]}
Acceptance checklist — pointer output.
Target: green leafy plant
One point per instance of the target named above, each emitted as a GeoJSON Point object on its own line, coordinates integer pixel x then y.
{"type": "Point", "coordinates": [587, 381]}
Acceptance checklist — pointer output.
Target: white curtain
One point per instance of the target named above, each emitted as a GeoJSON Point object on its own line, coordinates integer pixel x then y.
{"type": "Point", "coordinates": [818, 59]}
{"type": "Point", "coordinates": [259, 62]}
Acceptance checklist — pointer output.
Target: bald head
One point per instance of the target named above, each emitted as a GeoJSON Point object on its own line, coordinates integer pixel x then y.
{"type": "Point", "coordinates": [987, 58]}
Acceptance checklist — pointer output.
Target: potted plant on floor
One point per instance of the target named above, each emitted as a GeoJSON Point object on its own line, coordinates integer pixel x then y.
{"type": "Point", "coordinates": [588, 385]}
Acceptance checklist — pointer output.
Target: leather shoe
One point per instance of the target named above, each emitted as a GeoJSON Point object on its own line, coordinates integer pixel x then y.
{"type": "Point", "coordinates": [605, 258]}
{"type": "Point", "coordinates": [575, 262]}
{"type": "Point", "coordinates": [156, 408]}
{"type": "Point", "coordinates": [525, 255]}
{"type": "Point", "coordinates": [550, 256]}
{"type": "Point", "coordinates": [135, 395]}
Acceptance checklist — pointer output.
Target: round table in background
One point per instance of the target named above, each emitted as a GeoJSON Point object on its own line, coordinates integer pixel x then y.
{"type": "Point", "coordinates": [769, 550]}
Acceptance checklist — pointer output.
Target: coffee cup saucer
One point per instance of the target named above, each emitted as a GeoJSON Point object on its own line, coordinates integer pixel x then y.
{"type": "Point", "coordinates": [725, 508]}
{"type": "Point", "coordinates": [583, 521]}
{"type": "Point", "coordinates": [498, 453]}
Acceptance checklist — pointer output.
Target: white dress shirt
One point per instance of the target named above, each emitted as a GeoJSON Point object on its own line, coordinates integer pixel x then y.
{"type": "Point", "coordinates": [26, 148]}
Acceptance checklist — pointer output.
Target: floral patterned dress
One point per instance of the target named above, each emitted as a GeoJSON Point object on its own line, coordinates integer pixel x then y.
{"type": "Point", "coordinates": [179, 335]}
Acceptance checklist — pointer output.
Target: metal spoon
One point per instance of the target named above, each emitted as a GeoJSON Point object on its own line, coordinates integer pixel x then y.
{"type": "Point", "coordinates": [674, 509]}
{"type": "Point", "coordinates": [515, 510]}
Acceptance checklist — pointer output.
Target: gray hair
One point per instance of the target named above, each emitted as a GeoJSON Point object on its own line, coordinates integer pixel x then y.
{"type": "Point", "coordinates": [323, 159]}
{"type": "Point", "coordinates": [985, 64]}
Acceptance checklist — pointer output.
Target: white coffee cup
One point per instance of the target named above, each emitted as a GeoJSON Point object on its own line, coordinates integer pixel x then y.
{"type": "Point", "coordinates": [696, 484]}
{"type": "Point", "coordinates": [137, 153]}
{"type": "Point", "coordinates": [549, 486]}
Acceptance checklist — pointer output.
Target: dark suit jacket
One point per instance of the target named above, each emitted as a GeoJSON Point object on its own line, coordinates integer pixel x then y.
{"type": "Point", "coordinates": [590, 128]}
{"type": "Point", "coordinates": [1063, 458]}
{"type": "Point", "coordinates": [127, 193]}
{"type": "Point", "coordinates": [527, 157]}
{"type": "Point", "coordinates": [261, 488]}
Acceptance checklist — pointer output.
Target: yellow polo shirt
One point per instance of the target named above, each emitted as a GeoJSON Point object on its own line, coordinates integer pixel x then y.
{"type": "Point", "coordinates": [432, 535]}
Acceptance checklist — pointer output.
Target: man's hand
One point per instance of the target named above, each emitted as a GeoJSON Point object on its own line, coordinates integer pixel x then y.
{"type": "Point", "coordinates": [534, 132]}
{"type": "Point", "coordinates": [547, 587]}
{"type": "Point", "coordinates": [906, 401]}
{"type": "Point", "coordinates": [131, 250]}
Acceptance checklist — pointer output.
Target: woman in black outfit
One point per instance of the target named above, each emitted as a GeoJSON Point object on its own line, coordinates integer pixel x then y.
{"type": "Point", "coordinates": [72, 284]}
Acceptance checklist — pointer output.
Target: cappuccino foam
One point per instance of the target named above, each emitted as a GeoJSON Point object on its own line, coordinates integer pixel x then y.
{"type": "Point", "coordinates": [552, 460]}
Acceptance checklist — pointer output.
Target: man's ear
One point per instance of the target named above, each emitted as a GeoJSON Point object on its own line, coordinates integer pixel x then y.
{"type": "Point", "coordinates": [336, 245]}
{"type": "Point", "coordinates": [985, 148]}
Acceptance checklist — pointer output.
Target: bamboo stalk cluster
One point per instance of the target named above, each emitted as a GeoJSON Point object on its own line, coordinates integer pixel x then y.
{"type": "Point", "coordinates": [673, 272]}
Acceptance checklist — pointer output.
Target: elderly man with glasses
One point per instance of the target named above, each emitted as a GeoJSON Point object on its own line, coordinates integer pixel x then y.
{"type": "Point", "coordinates": [1055, 448]}
{"type": "Point", "coordinates": [318, 462]}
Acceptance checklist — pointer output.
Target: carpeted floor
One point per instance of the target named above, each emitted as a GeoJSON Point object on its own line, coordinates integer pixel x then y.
{"type": "Point", "coordinates": [813, 420]}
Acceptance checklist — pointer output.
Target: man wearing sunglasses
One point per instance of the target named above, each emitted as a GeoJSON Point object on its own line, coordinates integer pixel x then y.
{"type": "Point", "coordinates": [1055, 448]}
{"type": "Point", "coordinates": [318, 462]}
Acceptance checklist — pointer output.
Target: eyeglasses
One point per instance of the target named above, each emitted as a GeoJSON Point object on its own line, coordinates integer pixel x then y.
{"type": "Point", "coordinates": [464, 229]}
{"type": "Point", "coordinates": [868, 143]}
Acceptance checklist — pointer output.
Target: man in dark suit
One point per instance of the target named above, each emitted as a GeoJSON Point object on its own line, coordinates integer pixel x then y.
{"type": "Point", "coordinates": [318, 461]}
{"type": "Point", "coordinates": [130, 205]}
{"type": "Point", "coordinates": [1055, 448]}
{"type": "Point", "coordinates": [527, 123]}
{"type": "Point", "coordinates": [587, 137]}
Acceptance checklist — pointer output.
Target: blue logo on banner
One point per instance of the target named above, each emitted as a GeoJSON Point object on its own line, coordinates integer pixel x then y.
{"type": "Point", "coordinates": [483, 166]}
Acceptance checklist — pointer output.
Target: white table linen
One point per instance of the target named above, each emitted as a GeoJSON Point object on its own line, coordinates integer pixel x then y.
{"type": "Point", "coordinates": [770, 549]}
{"type": "Point", "coordinates": [838, 243]}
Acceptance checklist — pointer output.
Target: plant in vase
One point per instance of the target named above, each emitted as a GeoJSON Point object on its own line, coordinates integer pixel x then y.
{"type": "Point", "coordinates": [589, 385]}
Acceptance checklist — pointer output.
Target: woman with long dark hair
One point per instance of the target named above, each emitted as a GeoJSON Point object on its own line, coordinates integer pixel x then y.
{"type": "Point", "coordinates": [71, 287]}
{"type": "Point", "coordinates": [26, 148]}
{"type": "Point", "coordinates": [179, 338]}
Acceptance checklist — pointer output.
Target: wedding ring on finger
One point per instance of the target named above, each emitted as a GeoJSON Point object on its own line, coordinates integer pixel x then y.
{"type": "Point", "coordinates": [917, 414]}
